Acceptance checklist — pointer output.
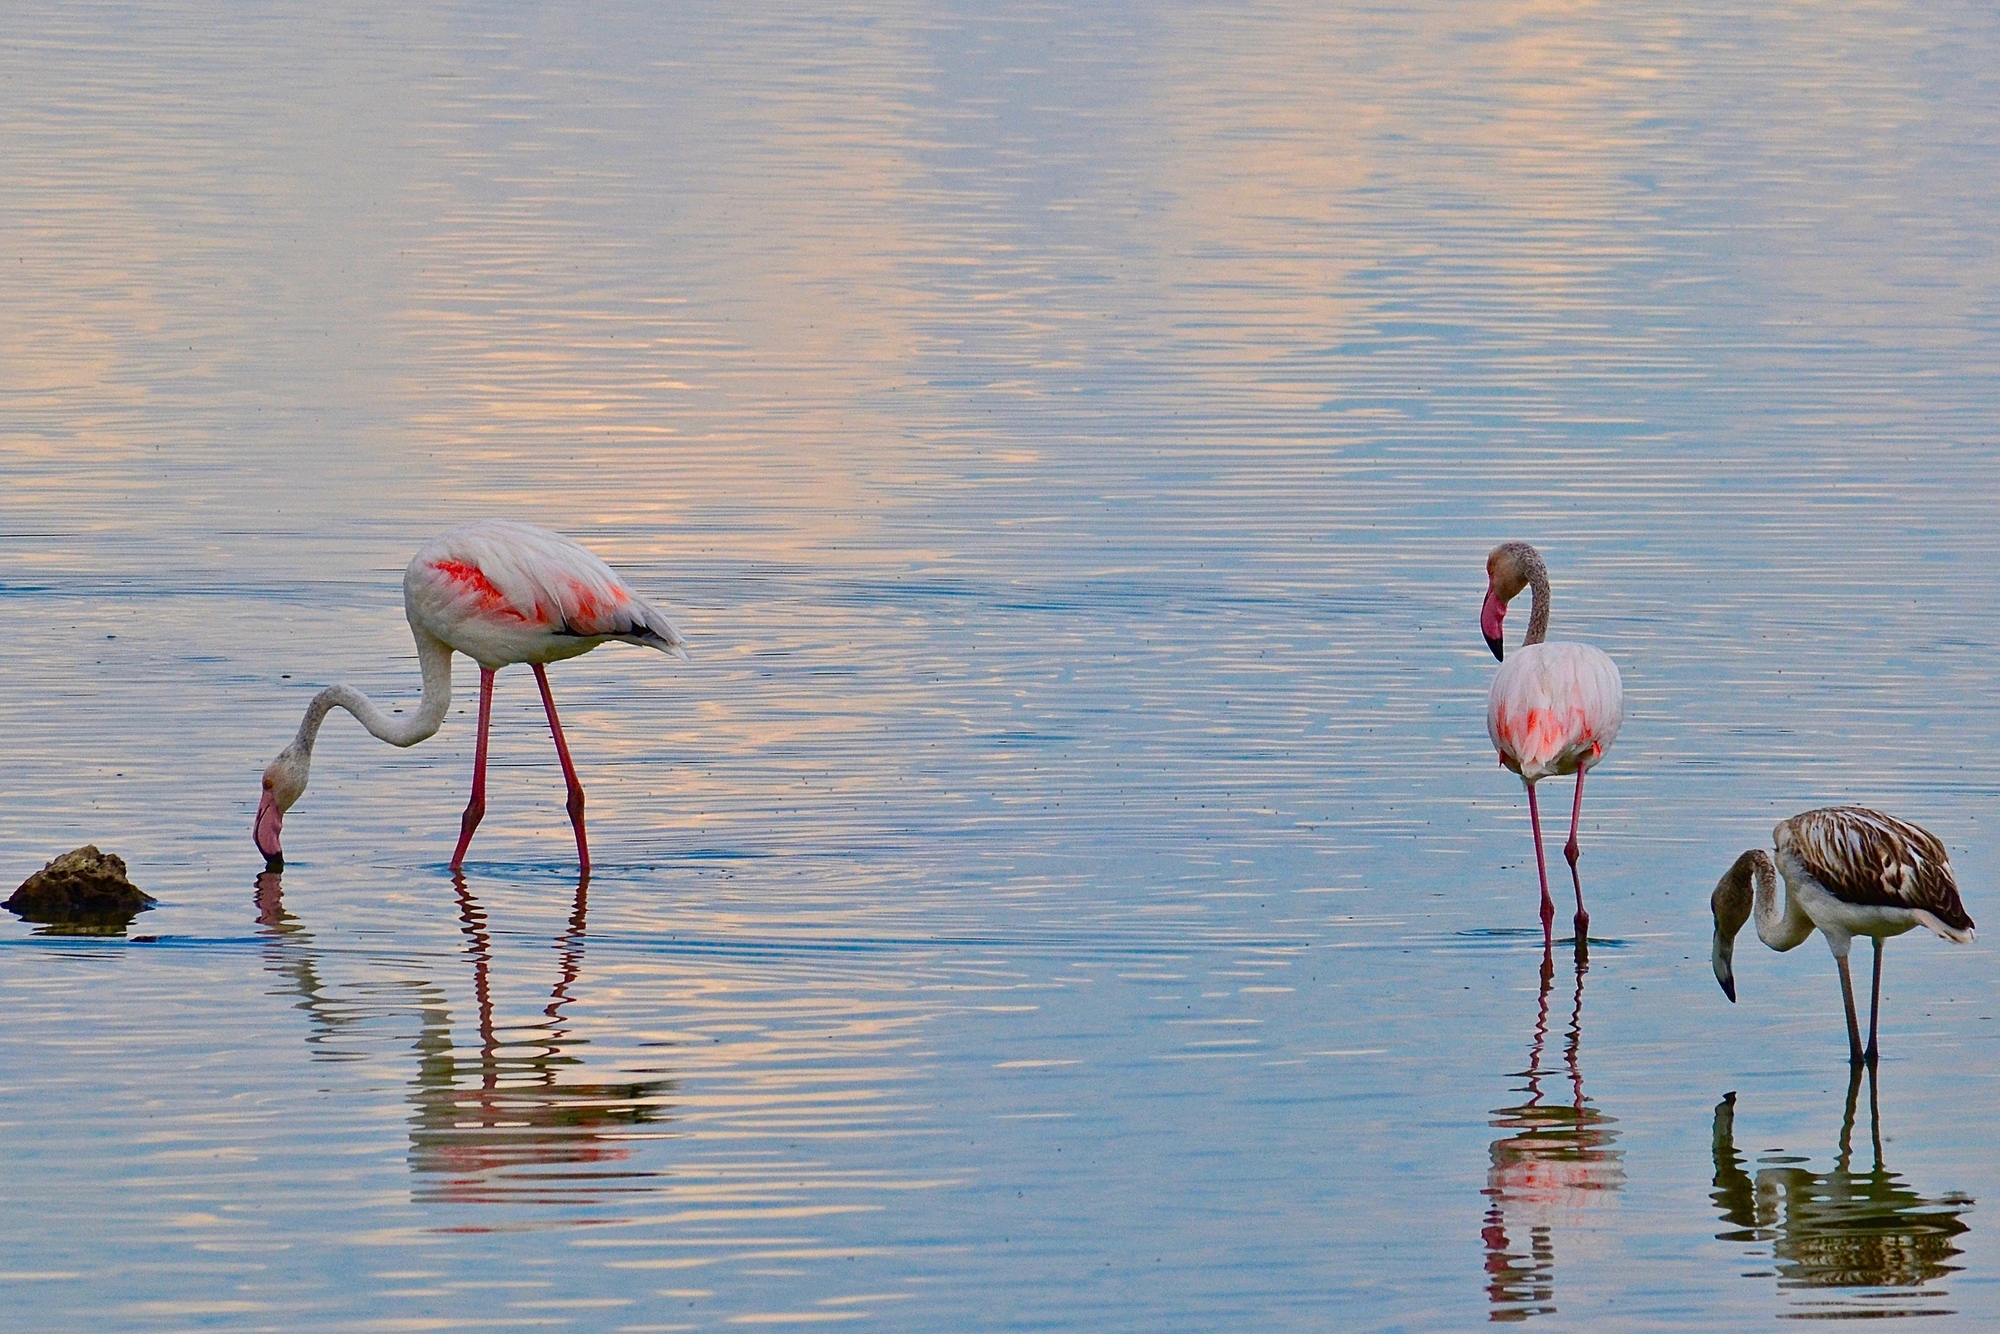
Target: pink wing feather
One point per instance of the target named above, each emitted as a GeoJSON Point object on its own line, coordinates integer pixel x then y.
{"type": "Point", "coordinates": [1554, 709]}
{"type": "Point", "coordinates": [511, 592]}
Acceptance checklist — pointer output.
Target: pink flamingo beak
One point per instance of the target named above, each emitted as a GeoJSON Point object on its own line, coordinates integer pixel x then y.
{"type": "Point", "coordinates": [1491, 617]}
{"type": "Point", "coordinates": [269, 821]}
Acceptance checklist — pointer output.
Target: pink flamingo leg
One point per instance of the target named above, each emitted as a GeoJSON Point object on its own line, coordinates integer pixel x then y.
{"type": "Point", "coordinates": [1541, 866]}
{"type": "Point", "coordinates": [1571, 851]}
{"type": "Point", "coordinates": [475, 809]}
{"type": "Point", "coordinates": [569, 770]}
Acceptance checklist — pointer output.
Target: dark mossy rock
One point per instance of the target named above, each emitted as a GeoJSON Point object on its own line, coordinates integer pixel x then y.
{"type": "Point", "coordinates": [84, 886]}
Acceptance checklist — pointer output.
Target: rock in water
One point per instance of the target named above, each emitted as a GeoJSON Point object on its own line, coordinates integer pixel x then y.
{"type": "Point", "coordinates": [81, 886]}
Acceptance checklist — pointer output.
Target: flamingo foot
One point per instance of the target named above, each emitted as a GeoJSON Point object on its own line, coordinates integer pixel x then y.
{"type": "Point", "coordinates": [468, 822]}
{"type": "Point", "coordinates": [576, 819]}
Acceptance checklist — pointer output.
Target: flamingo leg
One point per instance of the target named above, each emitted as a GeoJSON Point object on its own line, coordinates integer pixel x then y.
{"type": "Point", "coordinates": [569, 770]}
{"type": "Point", "coordinates": [1571, 851]}
{"type": "Point", "coordinates": [1854, 1054]}
{"type": "Point", "coordinates": [1874, 1004]}
{"type": "Point", "coordinates": [1541, 864]}
{"type": "Point", "coordinates": [475, 809]}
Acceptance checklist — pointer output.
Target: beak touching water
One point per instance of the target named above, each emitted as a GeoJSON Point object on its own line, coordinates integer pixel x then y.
{"type": "Point", "coordinates": [1492, 619]}
{"type": "Point", "coordinates": [270, 820]}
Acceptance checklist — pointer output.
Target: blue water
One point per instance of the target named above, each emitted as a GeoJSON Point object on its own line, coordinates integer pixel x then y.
{"type": "Point", "coordinates": [1069, 886]}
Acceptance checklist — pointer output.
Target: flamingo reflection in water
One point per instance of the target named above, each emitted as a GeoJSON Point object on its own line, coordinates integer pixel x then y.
{"type": "Point", "coordinates": [488, 1126]}
{"type": "Point", "coordinates": [1842, 1228]}
{"type": "Point", "coordinates": [506, 1122]}
{"type": "Point", "coordinates": [1558, 1167]}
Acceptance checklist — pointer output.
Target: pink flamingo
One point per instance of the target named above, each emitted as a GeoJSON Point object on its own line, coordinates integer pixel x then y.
{"type": "Point", "coordinates": [1553, 709]}
{"type": "Point", "coordinates": [499, 593]}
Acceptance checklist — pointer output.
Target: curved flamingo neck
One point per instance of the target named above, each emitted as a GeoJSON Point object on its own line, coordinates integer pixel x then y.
{"type": "Point", "coordinates": [433, 657]}
{"type": "Point", "coordinates": [1780, 927]}
{"type": "Point", "coordinates": [1736, 902]}
{"type": "Point", "coordinates": [1538, 589]}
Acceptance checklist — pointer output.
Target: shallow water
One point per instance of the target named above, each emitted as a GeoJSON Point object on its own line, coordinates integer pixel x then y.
{"type": "Point", "coordinates": [1069, 886]}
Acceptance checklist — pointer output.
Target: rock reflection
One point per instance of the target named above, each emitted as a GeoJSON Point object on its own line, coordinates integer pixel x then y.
{"type": "Point", "coordinates": [1841, 1228]}
{"type": "Point", "coordinates": [505, 1121]}
{"type": "Point", "coordinates": [83, 926]}
{"type": "Point", "coordinates": [1557, 1166]}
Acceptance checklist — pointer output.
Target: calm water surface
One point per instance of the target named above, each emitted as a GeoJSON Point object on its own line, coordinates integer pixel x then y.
{"type": "Point", "coordinates": [1069, 886]}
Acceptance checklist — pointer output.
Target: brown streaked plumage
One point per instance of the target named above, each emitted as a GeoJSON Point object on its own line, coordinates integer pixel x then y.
{"type": "Point", "coordinates": [1849, 871]}
{"type": "Point", "coordinates": [1869, 859]}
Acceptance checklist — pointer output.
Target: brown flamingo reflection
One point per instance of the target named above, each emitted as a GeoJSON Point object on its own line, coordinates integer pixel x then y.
{"type": "Point", "coordinates": [1841, 1228]}
{"type": "Point", "coordinates": [505, 1121]}
{"type": "Point", "coordinates": [1557, 1167]}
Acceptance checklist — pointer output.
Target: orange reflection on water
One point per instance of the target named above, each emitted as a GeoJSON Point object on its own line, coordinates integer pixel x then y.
{"type": "Point", "coordinates": [1558, 1172]}
{"type": "Point", "coordinates": [510, 1121]}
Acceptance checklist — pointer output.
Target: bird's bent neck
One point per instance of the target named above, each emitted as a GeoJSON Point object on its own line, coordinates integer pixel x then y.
{"type": "Point", "coordinates": [433, 657]}
{"type": "Point", "coordinates": [1781, 925]}
{"type": "Point", "coordinates": [1538, 590]}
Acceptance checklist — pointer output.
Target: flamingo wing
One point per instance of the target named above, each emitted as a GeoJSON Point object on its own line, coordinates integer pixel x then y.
{"type": "Point", "coordinates": [498, 581]}
{"type": "Point", "coordinates": [1869, 859]}
{"type": "Point", "coordinates": [1554, 709]}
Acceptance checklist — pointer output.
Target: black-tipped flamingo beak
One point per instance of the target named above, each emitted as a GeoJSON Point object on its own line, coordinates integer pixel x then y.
{"type": "Point", "coordinates": [270, 821]}
{"type": "Point", "coordinates": [1725, 970]}
{"type": "Point", "coordinates": [1492, 620]}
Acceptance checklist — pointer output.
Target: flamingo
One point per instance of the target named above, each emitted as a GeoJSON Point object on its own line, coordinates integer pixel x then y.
{"type": "Point", "coordinates": [500, 593]}
{"type": "Point", "coordinates": [1553, 708]}
{"type": "Point", "coordinates": [1849, 872]}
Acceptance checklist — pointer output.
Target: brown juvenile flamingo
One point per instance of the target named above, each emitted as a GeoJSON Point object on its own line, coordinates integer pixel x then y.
{"type": "Point", "coordinates": [500, 593]}
{"type": "Point", "coordinates": [1849, 872]}
{"type": "Point", "coordinates": [1553, 708]}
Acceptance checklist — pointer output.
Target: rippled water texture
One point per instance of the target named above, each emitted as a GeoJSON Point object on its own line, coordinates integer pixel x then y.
{"type": "Point", "coordinates": [1070, 885]}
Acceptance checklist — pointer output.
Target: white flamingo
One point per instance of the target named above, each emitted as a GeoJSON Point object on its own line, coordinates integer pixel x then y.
{"type": "Point", "coordinates": [1849, 872]}
{"type": "Point", "coordinates": [1553, 708]}
{"type": "Point", "coordinates": [499, 593]}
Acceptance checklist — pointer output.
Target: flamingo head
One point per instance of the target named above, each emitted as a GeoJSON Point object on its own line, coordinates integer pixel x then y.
{"type": "Point", "coordinates": [1492, 616]}
{"type": "Point", "coordinates": [284, 784]}
{"type": "Point", "coordinates": [1506, 575]}
{"type": "Point", "coordinates": [1731, 905]}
